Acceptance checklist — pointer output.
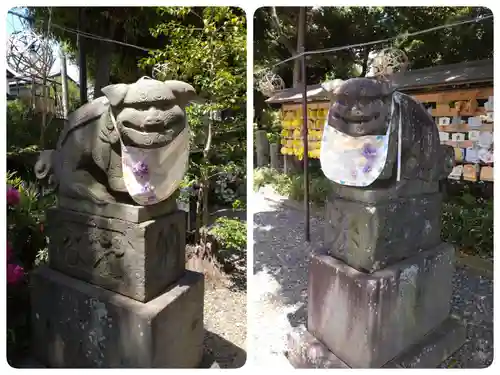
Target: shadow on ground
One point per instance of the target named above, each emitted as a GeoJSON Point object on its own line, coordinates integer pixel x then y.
{"type": "Point", "coordinates": [221, 352]}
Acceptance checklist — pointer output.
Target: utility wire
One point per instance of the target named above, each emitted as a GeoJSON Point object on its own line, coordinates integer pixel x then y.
{"type": "Point", "coordinates": [100, 38]}
{"type": "Point", "coordinates": [400, 36]}
{"type": "Point", "coordinates": [84, 34]}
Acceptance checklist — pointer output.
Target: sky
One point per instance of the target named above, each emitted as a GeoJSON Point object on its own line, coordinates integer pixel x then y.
{"type": "Point", "coordinates": [14, 24]}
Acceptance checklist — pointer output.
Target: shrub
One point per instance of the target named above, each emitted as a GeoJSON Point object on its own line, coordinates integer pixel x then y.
{"type": "Point", "coordinates": [293, 186]}
{"type": "Point", "coordinates": [319, 188]}
{"type": "Point", "coordinates": [230, 234]}
{"type": "Point", "coordinates": [263, 176]}
{"type": "Point", "coordinates": [467, 222]}
{"type": "Point", "coordinates": [26, 248]}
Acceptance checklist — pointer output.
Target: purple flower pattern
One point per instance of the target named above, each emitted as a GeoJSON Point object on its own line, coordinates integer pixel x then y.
{"type": "Point", "coordinates": [141, 169]}
{"type": "Point", "coordinates": [370, 153]}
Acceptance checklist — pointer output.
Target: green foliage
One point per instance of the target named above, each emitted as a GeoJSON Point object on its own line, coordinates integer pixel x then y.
{"type": "Point", "coordinates": [239, 205]}
{"type": "Point", "coordinates": [319, 188]}
{"type": "Point", "coordinates": [292, 186]}
{"type": "Point", "coordinates": [271, 121]}
{"type": "Point", "coordinates": [26, 236]}
{"type": "Point", "coordinates": [209, 52]}
{"type": "Point", "coordinates": [26, 220]}
{"type": "Point", "coordinates": [231, 234]}
{"type": "Point", "coordinates": [73, 94]}
{"type": "Point", "coordinates": [23, 127]}
{"type": "Point", "coordinates": [340, 26]}
{"type": "Point", "coordinates": [207, 48]}
{"type": "Point", "coordinates": [467, 222]}
{"type": "Point", "coordinates": [22, 131]}
{"type": "Point", "coordinates": [23, 137]}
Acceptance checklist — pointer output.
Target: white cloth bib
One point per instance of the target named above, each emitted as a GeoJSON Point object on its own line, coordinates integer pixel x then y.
{"type": "Point", "coordinates": [152, 175]}
{"type": "Point", "coordinates": [353, 161]}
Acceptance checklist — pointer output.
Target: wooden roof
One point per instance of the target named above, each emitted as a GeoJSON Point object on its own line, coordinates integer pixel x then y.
{"type": "Point", "coordinates": [436, 77]}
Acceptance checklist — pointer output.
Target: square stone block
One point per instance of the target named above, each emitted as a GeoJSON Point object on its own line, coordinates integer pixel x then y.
{"type": "Point", "coordinates": [138, 260]}
{"type": "Point", "coordinates": [368, 319]}
{"type": "Point", "coordinates": [370, 236]}
{"type": "Point", "coordinates": [306, 351]}
{"type": "Point", "coordinates": [80, 325]}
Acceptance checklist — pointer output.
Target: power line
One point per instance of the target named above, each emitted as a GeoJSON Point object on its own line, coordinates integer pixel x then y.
{"type": "Point", "coordinates": [403, 35]}
{"type": "Point", "coordinates": [84, 34]}
{"type": "Point", "coordinates": [97, 37]}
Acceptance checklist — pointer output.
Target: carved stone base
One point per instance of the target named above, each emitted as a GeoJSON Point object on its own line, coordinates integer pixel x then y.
{"type": "Point", "coordinates": [127, 212]}
{"type": "Point", "coordinates": [138, 260]}
{"type": "Point", "coordinates": [368, 319]}
{"type": "Point", "coordinates": [306, 351]}
{"type": "Point", "coordinates": [370, 236]}
{"type": "Point", "coordinates": [76, 324]}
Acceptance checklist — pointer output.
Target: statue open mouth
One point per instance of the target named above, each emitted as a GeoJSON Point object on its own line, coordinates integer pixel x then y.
{"type": "Point", "coordinates": [357, 125]}
{"type": "Point", "coordinates": [149, 127]}
{"type": "Point", "coordinates": [149, 137]}
{"type": "Point", "coordinates": [355, 118]}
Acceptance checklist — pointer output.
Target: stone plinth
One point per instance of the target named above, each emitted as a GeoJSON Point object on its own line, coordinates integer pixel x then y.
{"type": "Point", "coordinates": [138, 260]}
{"type": "Point", "coordinates": [306, 351]}
{"type": "Point", "coordinates": [366, 319]}
{"type": "Point", "coordinates": [371, 236]}
{"type": "Point", "coordinates": [80, 325]}
{"type": "Point", "coordinates": [127, 212]}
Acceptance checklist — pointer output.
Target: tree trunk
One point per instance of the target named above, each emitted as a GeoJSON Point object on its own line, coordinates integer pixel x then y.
{"type": "Point", "coordinates": [366, 54]}
{"type": "Point", "coordinates": [301, 33]}
{"type": "Point", "coordinates": [104, 52]}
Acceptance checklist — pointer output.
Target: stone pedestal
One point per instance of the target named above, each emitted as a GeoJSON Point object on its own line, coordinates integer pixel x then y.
{"type": "Point", "coordinates": [379, 293]}
{"type": "Point", "coordinates": [369, 236]}
{"type": "Point", "coordinates": [138, 260]}
{"type": "Point", "coordinates": [77, 324]}
{"type": "Point", "coordinates": [116, 292]}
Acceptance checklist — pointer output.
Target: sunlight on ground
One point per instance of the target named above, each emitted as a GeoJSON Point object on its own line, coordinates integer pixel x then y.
{"type": "Point", "coordinates": [270, 315]}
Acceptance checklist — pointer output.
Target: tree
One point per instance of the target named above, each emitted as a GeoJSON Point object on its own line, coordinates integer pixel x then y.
{"type": "Point", "coordinates": [107, 62]}
{"type": "Point", "coordinates": [207, 48]}
{"type": "Point", "coordinates": [340, 26]}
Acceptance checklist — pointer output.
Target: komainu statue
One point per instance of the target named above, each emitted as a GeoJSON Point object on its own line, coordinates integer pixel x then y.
{"type": "Point", "coordinates": [129, 146]}
{"type": "Point", "coordinates": [381, 150]}
{"type": "Point", "coordinates": [379, 139]}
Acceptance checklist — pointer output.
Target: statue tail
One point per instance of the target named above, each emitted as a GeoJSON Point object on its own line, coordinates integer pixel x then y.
{"type": "Point", "coordinates": [44, 165]}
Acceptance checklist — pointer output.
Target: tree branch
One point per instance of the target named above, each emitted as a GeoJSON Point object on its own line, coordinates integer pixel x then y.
{"type": "Point", "coordinates": [281, 37]}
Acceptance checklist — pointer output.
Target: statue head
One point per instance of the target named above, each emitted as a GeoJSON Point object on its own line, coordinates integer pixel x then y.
{"type": "Point", "coordinates": [149, 113]}
{"type": "Point", "coordinates": [375, 136]}
{"type": "Point", "coordinates": [360, 106]}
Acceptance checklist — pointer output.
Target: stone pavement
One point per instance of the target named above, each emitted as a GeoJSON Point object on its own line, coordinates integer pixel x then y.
{"type": "Point", "coordinates": [279, 298]}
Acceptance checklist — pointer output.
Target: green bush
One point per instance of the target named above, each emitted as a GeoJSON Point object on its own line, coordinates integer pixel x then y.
{"type": "Point", "coordinates": [467, 222]}
{"type": "Point", "coordinates": [230, 234]}
{"type": "Point", "coordinates": [24, 127]}
{"type": "Point", "coordinates": [319, 188]}
{"type": "Point", "coordinates": [293, 186]}
{"type": "Point", "coordinates": [26, 247]}
{"type": "Point", "coordinates": [263, 176]}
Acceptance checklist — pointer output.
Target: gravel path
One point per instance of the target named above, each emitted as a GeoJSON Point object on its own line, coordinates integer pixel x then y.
{"type": "Point", "coordinates": [225, 320]}
{"type": "Point", "coordinates": [280, 289]}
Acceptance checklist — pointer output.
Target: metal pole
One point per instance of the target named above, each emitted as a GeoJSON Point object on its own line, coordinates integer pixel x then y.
{"type": "Point", "coordinates": [82, 58]}
{"type": "Point", "coordinates": [64, 84]}
{"type": "Point", "coordinates": [305, 146]}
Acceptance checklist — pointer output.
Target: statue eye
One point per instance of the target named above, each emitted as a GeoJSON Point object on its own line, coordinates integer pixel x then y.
{"type": "Point", "coordinates": [341, 100]}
